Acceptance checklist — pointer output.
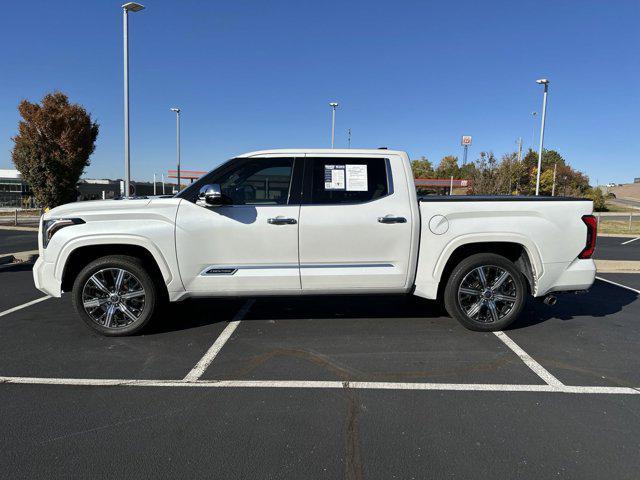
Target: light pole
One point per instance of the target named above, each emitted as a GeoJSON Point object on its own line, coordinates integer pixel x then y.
{"type": "Point", "coordinates": [177, 110]}
{"type": "Point", "coordinates": [154, 184]}
{"type": "Point", "coordinates": [333, 106]}
{"type": "Point", "coordinates": [545, 82]}
{"type": "Point", "coordinates": [126, 8]}
{"type": "Point", "coordinates": [520, 149]}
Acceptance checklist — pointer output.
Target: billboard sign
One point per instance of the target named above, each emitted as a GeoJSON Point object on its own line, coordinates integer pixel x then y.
{"type": "Point", "coordinates": [466, 140]}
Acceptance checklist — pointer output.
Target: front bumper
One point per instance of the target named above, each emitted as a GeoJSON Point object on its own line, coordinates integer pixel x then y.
{"type": "Point", "coordinates": [44, 278]}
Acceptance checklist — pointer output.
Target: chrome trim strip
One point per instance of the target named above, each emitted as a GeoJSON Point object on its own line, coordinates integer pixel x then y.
{"type": "Point", "coordinates": [347, 265]}
{"type": "Point", "coordinates": [235, 268]}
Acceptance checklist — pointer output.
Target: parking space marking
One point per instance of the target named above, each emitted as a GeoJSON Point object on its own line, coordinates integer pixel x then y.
{"type": "Point", "coordinates": [197, 371]}
{"type": "Point", "coordinates": [538, 369]}
{"type": "Point", "coordinates": [24, 305]}
{"type": "Point", "coordinates": [618, 284]}
{"type": "Point", "coordinates": [629, 241]}
{"type": "Point", "coordinates": [460, 387]}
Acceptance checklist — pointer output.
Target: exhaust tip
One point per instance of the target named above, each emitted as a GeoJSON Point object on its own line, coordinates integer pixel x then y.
{"type": "Point", "coordinates": [550, 300]}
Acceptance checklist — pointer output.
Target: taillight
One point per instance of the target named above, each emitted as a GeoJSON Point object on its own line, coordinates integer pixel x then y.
{"type": "Point", "coordinates": [592, 233]}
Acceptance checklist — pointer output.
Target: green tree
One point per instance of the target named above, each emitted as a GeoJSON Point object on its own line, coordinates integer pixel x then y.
{"type": "Point", "coordinates": [448, 167]}
{"type": "Point", "coordinates": [54, 142]}
{"type": "Point", "coordinates": [599, 204]}
{"type": "Point", "coordinates": [546, 182]}
{"type": "Point", "coordinates": [508, 174]}
{"type": "Point", "coordinates": [551, 158]}
{"type": "Point", "coordinates": [422, 168]}
{"type": "Point", "coordinates": [485, 175]}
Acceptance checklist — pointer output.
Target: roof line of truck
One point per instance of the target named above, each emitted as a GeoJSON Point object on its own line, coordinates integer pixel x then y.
{"type": "Point", "coordinates": [323, 151]}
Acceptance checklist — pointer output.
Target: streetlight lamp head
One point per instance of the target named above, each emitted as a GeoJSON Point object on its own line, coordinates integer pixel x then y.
{"type": "Point", "coordinates": [175, 109]}
{"type": "Point", "coordinates": [542, 81]}
{"type": "Point", "coordinates": [333, 104]}
{"type": "Point", "coordinates": [133, 7]}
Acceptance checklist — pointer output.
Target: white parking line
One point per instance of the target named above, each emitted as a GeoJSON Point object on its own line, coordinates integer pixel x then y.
{"type": "Point", "coordinates": [197, 371]}
{"type": "Point", "coordinates": [24, 305]}
{"type": "Point", "coordinates": [629, 241]}
{"type": "Point", "coordinates": [538, 369]}
{"type": "Point", "coordinates": [618, 284]}
{"type": "Point", "coordinates": [459, 387]}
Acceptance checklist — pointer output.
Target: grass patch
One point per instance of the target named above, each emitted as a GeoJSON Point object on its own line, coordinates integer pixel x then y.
{"type": "Point", "coordinates": [617, 207]}
{"type": "Point", "coordinates": [618, 226]}
{"type": "Point", "coordinates": [27, 212]}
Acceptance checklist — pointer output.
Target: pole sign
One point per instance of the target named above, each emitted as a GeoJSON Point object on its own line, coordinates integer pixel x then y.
{"type": "Point", "coordinates": [466, 140]}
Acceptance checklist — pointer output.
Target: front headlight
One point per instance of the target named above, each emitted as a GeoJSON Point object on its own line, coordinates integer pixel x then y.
{"type": "Point", "coordinates": [51, 226]}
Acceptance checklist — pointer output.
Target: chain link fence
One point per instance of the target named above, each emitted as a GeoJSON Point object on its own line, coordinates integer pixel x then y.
{"type": "Point", "coordinates": [623, 223]}
{"type": "Point", "coordinates": [20, 217]}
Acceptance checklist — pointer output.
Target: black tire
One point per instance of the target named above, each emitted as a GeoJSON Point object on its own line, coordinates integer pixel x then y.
{"type": "Point", "coordinates": [138, 275]}
{"type": "Point", "coordinates": [495, 313]}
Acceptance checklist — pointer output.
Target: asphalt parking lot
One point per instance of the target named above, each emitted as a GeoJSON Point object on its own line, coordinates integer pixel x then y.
{"type": "Point", "coordinates": [12, 241]}
{"type": "Point", "coordinates": [617, 248]}
{"type": "Point", "coordinates": [336, 387]}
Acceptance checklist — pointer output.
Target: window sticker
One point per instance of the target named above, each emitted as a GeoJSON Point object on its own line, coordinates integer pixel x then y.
{"type": "Point", "coordinates": [357, 178]}
{"type": "Point", "coordinates": [334, 178]}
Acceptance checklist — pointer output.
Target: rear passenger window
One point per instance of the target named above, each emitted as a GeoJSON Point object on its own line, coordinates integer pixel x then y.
{"type": "Point", "coordinates": [347, 180]}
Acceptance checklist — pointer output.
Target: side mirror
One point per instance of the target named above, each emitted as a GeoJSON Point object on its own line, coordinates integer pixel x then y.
{"type": "Point", "coordinates": [210, 195]}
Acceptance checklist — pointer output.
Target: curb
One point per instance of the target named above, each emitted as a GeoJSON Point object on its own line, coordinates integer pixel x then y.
{"type": "Point", "coordinates": [620, 235]}
{"type": "Point", "coordinates": [25, 229]}
{"type": "Point", "coordinates": [618, 266]}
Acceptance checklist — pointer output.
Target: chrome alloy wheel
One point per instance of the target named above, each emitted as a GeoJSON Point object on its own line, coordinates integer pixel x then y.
{"type": "Point", "coordinates": [113, 297]}
{"type": "Point", "coordinates": [487, 293]}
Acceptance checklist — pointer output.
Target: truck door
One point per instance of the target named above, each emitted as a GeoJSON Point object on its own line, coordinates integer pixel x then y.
{"type": "Point", "coordinates": [355, 225]}
{"type": "Point", "coordinates": [250, 244]}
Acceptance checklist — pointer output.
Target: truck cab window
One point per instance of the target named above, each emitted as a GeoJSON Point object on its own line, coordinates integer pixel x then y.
{"type": "Point", "coordinates": [347, 180]}
{"type": "Point", "coordinates": [259, 182]}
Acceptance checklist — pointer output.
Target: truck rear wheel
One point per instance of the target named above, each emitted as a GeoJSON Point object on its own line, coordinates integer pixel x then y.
{"type": "Point", "coordinates": [115, 295]}
{"type": "Point", "coordinates": [485, 292]}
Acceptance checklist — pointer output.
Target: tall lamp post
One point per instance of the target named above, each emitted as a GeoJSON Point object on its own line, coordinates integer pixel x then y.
{"type": "Point", "coordinates": [126, 8]}
{"type": "Point", "coordinates": [177, 111]}
{"type": "Point", "coordinates": [545, 82]}
{"type": "Point", "coordinates": [333, 106]}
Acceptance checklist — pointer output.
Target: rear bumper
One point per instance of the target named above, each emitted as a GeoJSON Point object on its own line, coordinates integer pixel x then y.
{"type": "Point", "coordinates": [44, 278]}
{"type": "Point", "coordinates": [559, 277]}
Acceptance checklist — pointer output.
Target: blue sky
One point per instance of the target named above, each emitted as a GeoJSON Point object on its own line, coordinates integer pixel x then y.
{"type": "Point", "coordinates": [412, 75]}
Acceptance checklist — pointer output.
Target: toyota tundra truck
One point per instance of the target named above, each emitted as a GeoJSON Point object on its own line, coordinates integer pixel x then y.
{"type": "Point", "coordinates": [314, 222]}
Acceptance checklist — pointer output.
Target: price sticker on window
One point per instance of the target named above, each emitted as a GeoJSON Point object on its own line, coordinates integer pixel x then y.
{"type": "Point", "coordinates": [357, 178]}
{"type": "Point", "coordinates": [334, 177]}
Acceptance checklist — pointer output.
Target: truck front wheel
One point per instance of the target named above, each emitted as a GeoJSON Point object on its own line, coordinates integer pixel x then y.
{"type": "Point", "coordinates": [485, 292]}
{"type": "Point", "coordinates": [115, 295]}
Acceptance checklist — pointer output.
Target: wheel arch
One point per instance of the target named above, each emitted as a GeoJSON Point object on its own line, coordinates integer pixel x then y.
{"type": "Point", "coordinates": [75, 259]}
{"type": "Point", "coordinates": [516, 252]}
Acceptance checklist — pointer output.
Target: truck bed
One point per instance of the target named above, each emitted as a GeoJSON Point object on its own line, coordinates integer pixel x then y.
{"type": "Point", "coordinates": [550, 229]}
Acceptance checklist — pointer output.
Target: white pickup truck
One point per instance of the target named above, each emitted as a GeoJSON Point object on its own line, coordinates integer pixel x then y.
{"type": "Point", "coordinates": [314, 222]}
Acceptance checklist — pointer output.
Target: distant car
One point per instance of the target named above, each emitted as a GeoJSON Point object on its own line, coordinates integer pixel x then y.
{"type": "Point", "coordinates": [314, 222]}
{"type": "Point", "coordinates": [611, 185]}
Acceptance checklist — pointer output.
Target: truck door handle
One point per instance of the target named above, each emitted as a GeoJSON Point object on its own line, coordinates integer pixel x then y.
{"type": "Point", "coordinates": [392, 219]}
{"type": "Point", "coordinates": [282, 221]}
